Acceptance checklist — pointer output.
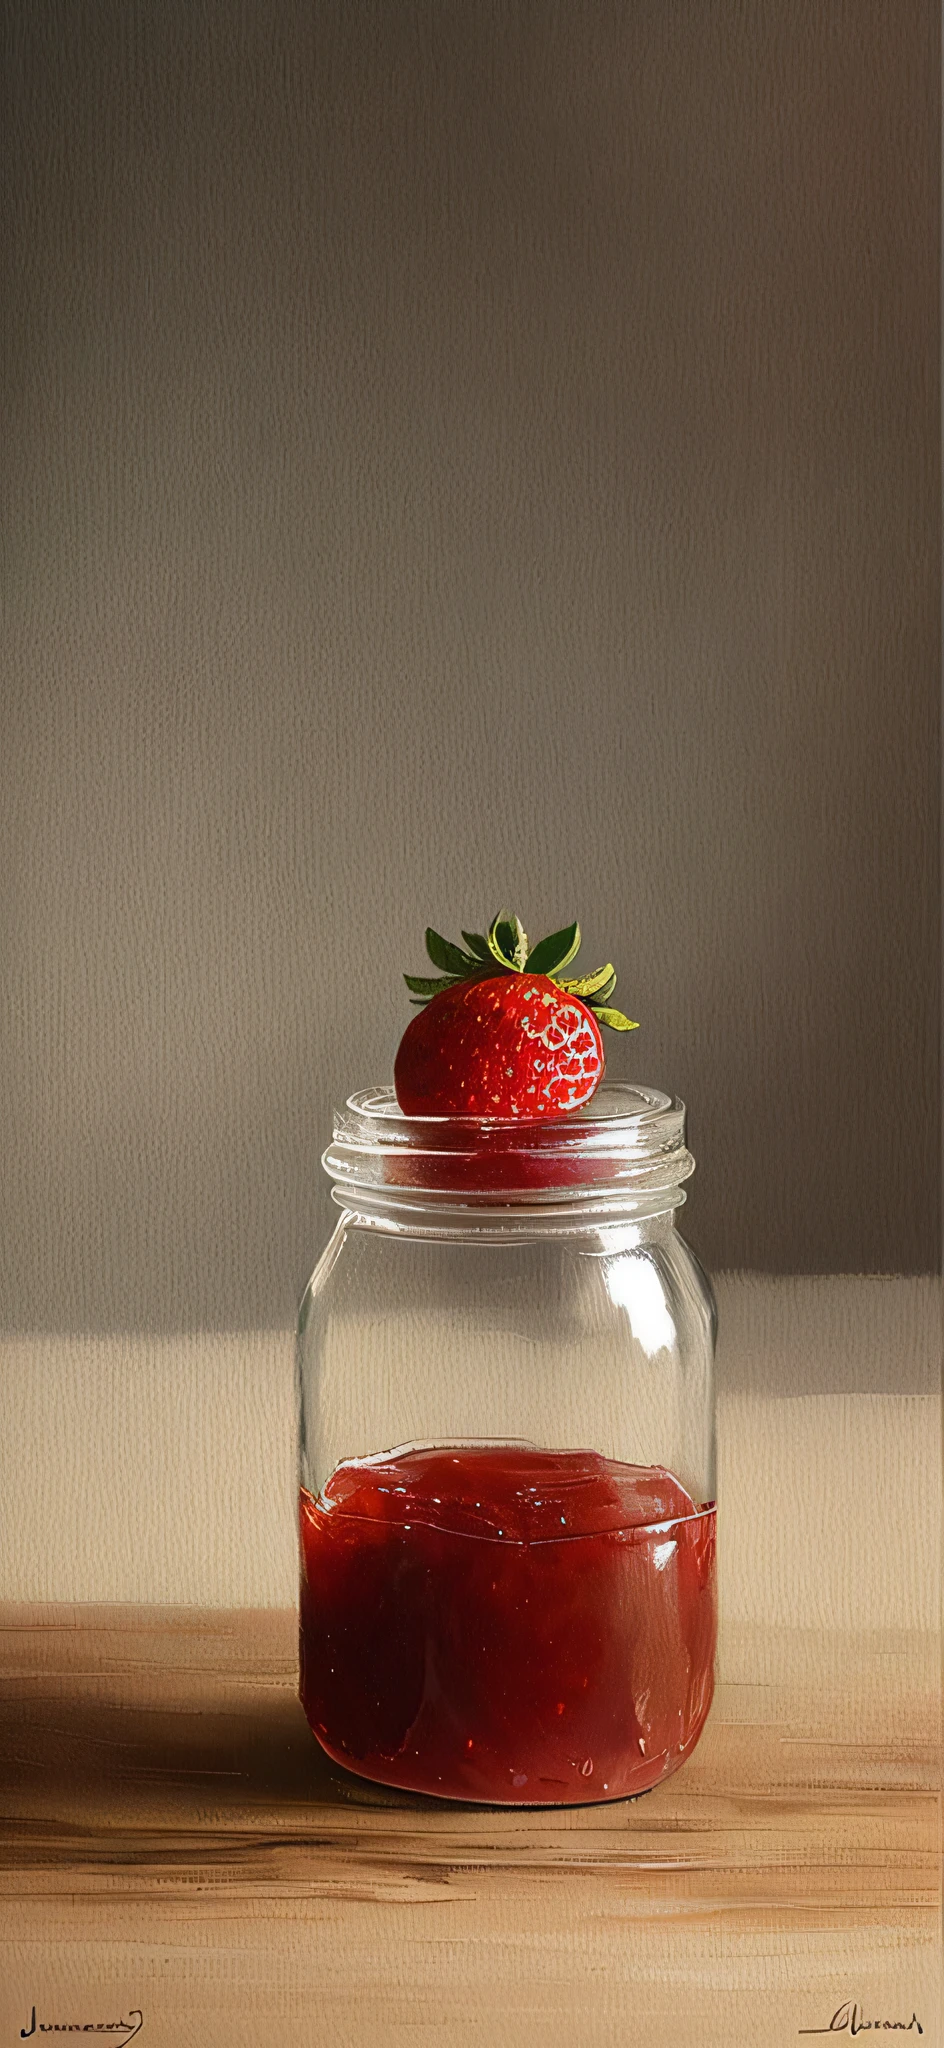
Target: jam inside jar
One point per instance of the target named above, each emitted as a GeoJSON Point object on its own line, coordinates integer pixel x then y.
{"type": "Point", "coordinates": [503, 1623]}
{"type": "Point", "coordinates": [487, 1614]}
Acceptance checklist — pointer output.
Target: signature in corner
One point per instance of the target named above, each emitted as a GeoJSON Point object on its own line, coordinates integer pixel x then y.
{"type": "Point", "coordinates": [848, 2019]}
{"type": "Point", "coordinates": [127, 2028]}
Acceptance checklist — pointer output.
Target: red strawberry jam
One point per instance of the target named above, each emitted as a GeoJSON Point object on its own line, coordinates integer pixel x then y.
{"type": "Point", "coordinates": [502, 1623]}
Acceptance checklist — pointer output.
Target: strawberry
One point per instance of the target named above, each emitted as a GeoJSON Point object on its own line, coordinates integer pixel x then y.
{"type": "Point", "coordinates": [500, 1034]}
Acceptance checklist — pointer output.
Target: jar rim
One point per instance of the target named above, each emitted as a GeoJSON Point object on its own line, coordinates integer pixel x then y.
{"type": "Point", "coordinates": [626, 1143]}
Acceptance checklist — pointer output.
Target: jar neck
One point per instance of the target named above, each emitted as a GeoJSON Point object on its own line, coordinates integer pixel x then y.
{"type": "Point", "coordinates": [616, 1164]}
{"type": "Point", "coordinates": [633, 1220]}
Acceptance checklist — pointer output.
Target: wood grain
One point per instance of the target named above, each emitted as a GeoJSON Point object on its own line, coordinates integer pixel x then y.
{"type": "Point", "coordinates": [173, 1838]}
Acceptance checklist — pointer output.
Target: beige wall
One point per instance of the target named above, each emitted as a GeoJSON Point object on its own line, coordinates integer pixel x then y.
{"type": "Point", "coordinates": [164, 1469]}
{"type": "Point", "coordinates": [457, 454]}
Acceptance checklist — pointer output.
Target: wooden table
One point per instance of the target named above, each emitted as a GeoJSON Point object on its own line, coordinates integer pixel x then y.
{"type": "Point", "coordinates": [174, 1844]}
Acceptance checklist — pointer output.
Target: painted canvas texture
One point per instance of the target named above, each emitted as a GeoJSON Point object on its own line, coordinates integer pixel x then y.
{"type": "Point", "coordinates": [457, 456]}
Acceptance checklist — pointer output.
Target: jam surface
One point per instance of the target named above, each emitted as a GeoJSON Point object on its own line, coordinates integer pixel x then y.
{"type": "Point", "coordinates": [505, 1624]}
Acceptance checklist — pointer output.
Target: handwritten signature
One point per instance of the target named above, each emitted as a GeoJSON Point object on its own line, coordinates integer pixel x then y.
{"type": "Point", "coordinates": [128, 2027]}
{"type": "Point", "coordinates": [848, 2019]}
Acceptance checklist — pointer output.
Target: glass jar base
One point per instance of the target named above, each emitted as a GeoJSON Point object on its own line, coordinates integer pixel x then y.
{"type": "Point", "coordinates": [420, 1786]}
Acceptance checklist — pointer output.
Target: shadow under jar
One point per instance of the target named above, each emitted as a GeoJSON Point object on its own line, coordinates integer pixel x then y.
{"type": "Point", "coordinates": [506, 1447]}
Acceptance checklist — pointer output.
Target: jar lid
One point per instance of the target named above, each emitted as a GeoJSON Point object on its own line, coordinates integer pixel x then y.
{"type": "Point", "coordinates": [626, 1143]}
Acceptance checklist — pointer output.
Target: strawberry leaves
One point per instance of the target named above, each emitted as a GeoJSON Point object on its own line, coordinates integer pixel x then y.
{"type": "Point", "coordinates": [505, 950]}
{"type": "Point", "coordinates": [508, 943]}
{"type": "Point", "coordinates": [550, 955]}
{"type": "Point", "coordinates": [447, 956]}
{"type": "Point", "coordinates": [614, 1018]}
{"type": "Point", "coordinates": [430, 985]}
{"type": "Point", "coordinates": [601, 984]}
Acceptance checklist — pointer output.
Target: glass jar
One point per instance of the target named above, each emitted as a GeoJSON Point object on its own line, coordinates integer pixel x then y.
{"type": "Point", "coordinates": [506, 1447]}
